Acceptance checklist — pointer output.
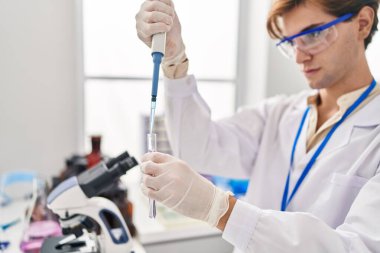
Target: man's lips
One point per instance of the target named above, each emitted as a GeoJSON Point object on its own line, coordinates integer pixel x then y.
{"type": "Point", "coordinates": [311, 71]}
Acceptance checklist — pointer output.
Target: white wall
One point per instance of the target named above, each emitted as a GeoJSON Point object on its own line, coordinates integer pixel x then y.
{"type": "Point", "coordinates": [252, 52]}
{"type": "Point", "coordinates": [40, 108]}
{"type": "Point", "coordinates": [263, 71]}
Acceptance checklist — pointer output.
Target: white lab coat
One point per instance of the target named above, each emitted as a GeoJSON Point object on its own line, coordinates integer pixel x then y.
{"type": "Point", "coordinates": [336, 209]}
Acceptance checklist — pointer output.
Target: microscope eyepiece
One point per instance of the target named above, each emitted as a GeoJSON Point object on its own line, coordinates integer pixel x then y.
{"type": "Point", "coordinates": [99, 178]}
{"type": "Point", "coordinates": [123, 166]}
{"type": "Point", "coordinates": [117, 159]}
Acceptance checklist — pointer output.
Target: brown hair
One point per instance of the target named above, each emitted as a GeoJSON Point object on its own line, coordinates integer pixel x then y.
{"type": "Point", "coordinates": [333, 7]}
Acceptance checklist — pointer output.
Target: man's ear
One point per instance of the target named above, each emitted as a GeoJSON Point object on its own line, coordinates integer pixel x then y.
{"type": "Point", "coordinates": [365, 20]}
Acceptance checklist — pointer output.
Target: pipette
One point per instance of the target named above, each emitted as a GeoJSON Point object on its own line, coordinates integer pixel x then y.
{"type": "Point", "coordinates": [158, 51]}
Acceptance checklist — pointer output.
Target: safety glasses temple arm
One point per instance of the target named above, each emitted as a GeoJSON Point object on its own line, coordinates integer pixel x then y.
{"type": "Point", "coordinates": [316, 29]}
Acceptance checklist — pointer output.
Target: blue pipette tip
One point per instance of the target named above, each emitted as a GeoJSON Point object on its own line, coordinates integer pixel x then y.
{"type": "Point", "coordinates": [9, 224]}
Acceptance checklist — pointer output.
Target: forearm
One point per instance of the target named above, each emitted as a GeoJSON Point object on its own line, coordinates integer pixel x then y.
{"type": "Point", "coordinates": [251, 229]}
{"type": "Point", "coordinates": [176, 70]}
{"type": "Point", "coordinates": [186, 118]}
{"type": "Point", "coordinates": [223, 221]}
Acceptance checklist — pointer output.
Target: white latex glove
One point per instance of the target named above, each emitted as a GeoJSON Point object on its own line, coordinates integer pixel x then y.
{"type": "Point", "coordinates": [157, 16]}
{"type": "Point", "coordinates": [173, 183]}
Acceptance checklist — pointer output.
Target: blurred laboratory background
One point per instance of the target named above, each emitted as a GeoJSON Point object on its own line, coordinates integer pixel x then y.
{"type": "Point", "coordinates": [75, 89]}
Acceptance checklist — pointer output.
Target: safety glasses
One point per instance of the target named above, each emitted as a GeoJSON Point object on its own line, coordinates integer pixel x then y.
{"type": "Point", "coordinates": [312, 41]}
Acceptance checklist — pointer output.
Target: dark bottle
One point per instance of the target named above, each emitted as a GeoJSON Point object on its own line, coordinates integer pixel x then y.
{"type": "Point", "coordinates": [96, 154]}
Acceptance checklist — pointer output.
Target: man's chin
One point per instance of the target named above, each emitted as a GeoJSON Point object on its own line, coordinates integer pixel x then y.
{"type": "Point", "coordinates": [313, 84]}
{"type": "Point", "coordinates": [316, 84]}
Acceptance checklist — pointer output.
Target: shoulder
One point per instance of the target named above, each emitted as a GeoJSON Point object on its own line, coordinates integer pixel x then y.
{"type": "Point", "coordinates": [280, 103]}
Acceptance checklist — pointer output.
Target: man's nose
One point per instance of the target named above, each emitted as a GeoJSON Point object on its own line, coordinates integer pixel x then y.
{"type": "Point", "coordinates": [301, 56]}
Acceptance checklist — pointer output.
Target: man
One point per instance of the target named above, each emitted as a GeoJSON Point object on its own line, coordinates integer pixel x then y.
{"type": "Point", "coordinates": [313, 159]}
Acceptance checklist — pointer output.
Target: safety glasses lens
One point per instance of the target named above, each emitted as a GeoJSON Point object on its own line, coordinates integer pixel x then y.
{"type": "Point", "coordinates": [286, 48]}
{"type": "Point", "coordinates": [317, 41]}
{"type": "Point", "coordinates": [310, 43]}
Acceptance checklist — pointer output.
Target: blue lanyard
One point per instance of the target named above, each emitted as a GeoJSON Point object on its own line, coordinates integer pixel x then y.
{"type": "Point", "coordinates": [285, 200]}
{"type": "Point", "coordinates": [4, 245]}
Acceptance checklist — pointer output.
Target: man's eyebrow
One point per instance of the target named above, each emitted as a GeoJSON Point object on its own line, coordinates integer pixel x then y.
{"type": "Point", "coordinates": [308, 28]}
{"type": "Point", "coordinates": [311, 26]}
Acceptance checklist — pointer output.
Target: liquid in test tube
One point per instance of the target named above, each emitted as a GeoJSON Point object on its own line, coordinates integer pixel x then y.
{"type": "Point", "coordinates": [152, 147]}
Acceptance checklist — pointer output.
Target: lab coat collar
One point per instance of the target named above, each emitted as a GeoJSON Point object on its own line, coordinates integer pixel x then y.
{"type": "Point", "coordinates": [369, 115]}
{"type": "Point", "coordinates": [367, 118]}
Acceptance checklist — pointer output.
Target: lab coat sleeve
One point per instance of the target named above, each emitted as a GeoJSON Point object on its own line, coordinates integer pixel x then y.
{"type": "Point", "coordinates": [227, 147]}
{"type": "Point", "coordinates": [251, 229]}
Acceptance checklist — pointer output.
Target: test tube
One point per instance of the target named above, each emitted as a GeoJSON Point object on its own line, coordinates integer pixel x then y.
{"type": "Point", "coordinates": [152, 147]}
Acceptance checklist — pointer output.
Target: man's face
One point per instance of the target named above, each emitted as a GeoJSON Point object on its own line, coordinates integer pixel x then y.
{"type": "Point", "coordinates": [335, 63]}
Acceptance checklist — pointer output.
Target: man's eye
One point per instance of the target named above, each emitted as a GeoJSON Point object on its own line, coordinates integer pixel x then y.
{"type": "Point", "coordinates": [313, 35]}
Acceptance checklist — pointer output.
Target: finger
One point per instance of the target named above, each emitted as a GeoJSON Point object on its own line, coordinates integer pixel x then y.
{"type": "Point", "coordinates": [150, 168]}
{"type": "Point", "coordinates": [145, 20]}
{"type": "Point", "coordinates": [146, 31]}
{"type": "Point", "coordinates": [147, 38]}
{"type": "Point", "coordinates": [150, 193]}
{"type": "Point", "coordinates": [158, 17]}
{"type": "Point", "coordinates": [159, 6]}
{"type": "Point", "coordinates": [164, 194]}
{"type": "Point", "coordinates": [156, 157]}
{"type": "Point", "coordinates": [167, 2]}
{"type": "Point", "coordinates": [145, 190]}
{"type": "Point", "coordinates": [160, 195]}
{"type": "Point", "coordinates": [150, 182]}
{"type": "Point", "coordinates": [157, 182]}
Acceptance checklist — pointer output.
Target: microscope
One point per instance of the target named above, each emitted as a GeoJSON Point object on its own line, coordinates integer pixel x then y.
{"type": "Point", "coordinates": [90, 224]}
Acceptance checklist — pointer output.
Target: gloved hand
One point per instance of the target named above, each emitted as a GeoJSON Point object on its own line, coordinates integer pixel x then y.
{"type": "Point", "coordinates": [157, 16]}
{"type": "Point", "coordinates": [173, 183]}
